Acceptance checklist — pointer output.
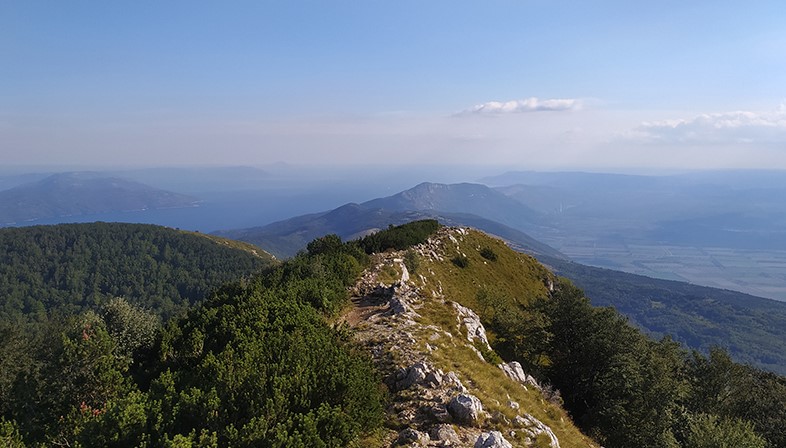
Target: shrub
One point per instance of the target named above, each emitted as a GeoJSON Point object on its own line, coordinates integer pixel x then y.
{"type": "Point", "coordinates": [488, 254]}
{"type": "Point", "coordinates": [460, 261]}
{"type": "Point", "coordinates": [411, 261]}
{"type": "Point", "coordinates": [400, 237]}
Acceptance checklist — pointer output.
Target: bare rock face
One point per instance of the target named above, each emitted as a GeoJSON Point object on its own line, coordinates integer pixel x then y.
{"type": "Point", "coordinates": [492, 439]}
{"type": "Point", "coordinates": [465, 409]}
{"type": "Point", "coordinates": [514, 371]}
{"type": "Point", "coordinates": [471, 322]}
{"type": "Point", "coordinates": [414, 374]}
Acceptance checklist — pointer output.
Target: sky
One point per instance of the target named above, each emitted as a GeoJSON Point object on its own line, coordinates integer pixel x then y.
{"type": "Point", "coordinates": [602, 85]}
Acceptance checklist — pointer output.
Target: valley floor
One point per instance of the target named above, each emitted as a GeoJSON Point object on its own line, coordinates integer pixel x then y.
{"type": "Point", "coordinates": [757, 272]}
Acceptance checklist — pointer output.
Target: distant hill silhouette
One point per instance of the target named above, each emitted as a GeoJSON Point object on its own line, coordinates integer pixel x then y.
{"type": "Point", "coordinates": [70, 194]}
{"type": "Point", "coordinates": [456, 204]}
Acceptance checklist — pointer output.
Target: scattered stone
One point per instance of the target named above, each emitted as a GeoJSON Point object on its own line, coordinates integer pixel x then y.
{"type": "Point", "coordinates": [412, 375]}
{"type": "Point", "coordinates": [441, 414]}
{"type": "Point", "coordinates": [492, 439]}
{"type": "Point", "coordinates": [445, 434]}
{"type": "Point", "coordinates": [452, 379]}
{"type": "Point", "coordinates": [433, 379]}
{"type": "Point", "coordinates": [535, 427]}
{"type": "Point", "coordinates": [465, 409]}
{"type": "Point", "coordinates": [513, 405]}
{"type": "Point", "coordinates": [411, 436]}
{"type": "Point", "coordinates": [515, 372]}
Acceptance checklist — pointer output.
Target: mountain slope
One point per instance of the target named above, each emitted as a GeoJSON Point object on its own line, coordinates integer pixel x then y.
{"type": "Point", "coordinates": [71, 267]}
{"type": "Point", "coordinates": [438, 316]}
{"type": "Point", "coordinates": [69, 194]}
{"type": "Point", "coordinates": [455, 204]}
{"type": "Point", "coordinates": [474, 199]}
{"type": "Point", "coordinates": [751, 328]}
{"type": "Point", "coordinates": [286, 238]}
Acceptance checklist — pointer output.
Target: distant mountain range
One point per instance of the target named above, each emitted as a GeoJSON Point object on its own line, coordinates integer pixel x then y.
{"type": "Point", "coordinates": [751, 328]}
{"type": "Point", "coordinates": [82, 193]}
{"type": "Point", "coordinates": [471, 205]}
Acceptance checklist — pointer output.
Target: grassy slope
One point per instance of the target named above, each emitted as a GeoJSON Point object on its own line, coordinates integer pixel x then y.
{"type": "Point", "coordinates": [516, 276]}
{"type": "Point", "coordinates": [237, 245]}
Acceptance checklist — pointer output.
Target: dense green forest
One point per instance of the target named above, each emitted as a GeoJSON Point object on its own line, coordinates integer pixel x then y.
{"type": "Point", "coordinates": [752, 329]}
{"type": "Point", "coordinates": [70, 268]}
{"type": "Point", "coordinates": [255, 364]}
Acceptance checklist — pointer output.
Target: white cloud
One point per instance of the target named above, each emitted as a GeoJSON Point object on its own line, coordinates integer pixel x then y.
{"type": "Point", "coordinates": [526, 105]}
{"type": "Point", "coordinates": [726, 127]}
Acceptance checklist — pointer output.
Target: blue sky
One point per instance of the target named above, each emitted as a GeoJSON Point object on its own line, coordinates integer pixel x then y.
{"type": "Point", "coordinates": [530, 84]}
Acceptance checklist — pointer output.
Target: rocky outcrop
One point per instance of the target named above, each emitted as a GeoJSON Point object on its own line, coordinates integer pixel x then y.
{"type": "Point", "coordinates": [514, 371]}
{"type": "Point", "coordinates": [471, 322]}
{"type": "Point", "coordinates": [419, 373]}
{"type": "Point", "coordinates": [534, 427]}
{"type": "Point", "coordinates": [409, 436]}
{"type": "Point", "coordinates": [465, 409]}
{"type": "Point", "coordinates": [493, 439]}
{"type": "Point", "coordinates": [444, 435]}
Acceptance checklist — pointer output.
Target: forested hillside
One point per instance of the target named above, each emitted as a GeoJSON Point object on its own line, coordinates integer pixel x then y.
{"type": "Point", "coordinates": [752, 329]}
{"type": "Point", "coordinates": [70, 268]}
{"type": "Point", "coordinates": [256, 364]}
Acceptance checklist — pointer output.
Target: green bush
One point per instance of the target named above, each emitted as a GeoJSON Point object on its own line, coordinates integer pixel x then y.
{"type": "Point", "coordinates": [460, 261]}
{"type": "Point", "coordinates": [488, 254]}
{"type": "Point", "coordinates": [710, 431]}
{"type": "Point", "coordinates": [400, 237]}
{"type": "Point", "coordinates": [411, 261]}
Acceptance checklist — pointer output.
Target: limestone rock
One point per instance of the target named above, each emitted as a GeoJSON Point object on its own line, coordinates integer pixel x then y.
{"type": "Point", "coordinates": [471, 321]}
{"type": "Point", "coordinates": [444, 434]}
{"type": "Point", "coordinates": [419, 373]}
{"type": "Point", "coordinates": [440, 413]}
{"type": "Point", "coordinates": [492, 439]}
{"type": "Point", "coordinates": [433, 379]}
{"type": "Point", "coordinates": [465, 409]}
{"type": "Point", "coordinates": [514, 371]}
{"type": "Point", "coordinates": [453, 381]}
{"type": "Point", "coordinates": [535, 427]}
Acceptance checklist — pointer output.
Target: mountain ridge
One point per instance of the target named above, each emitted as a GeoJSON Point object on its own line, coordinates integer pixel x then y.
{"type": "Point", "coordinates": [82, 193]}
